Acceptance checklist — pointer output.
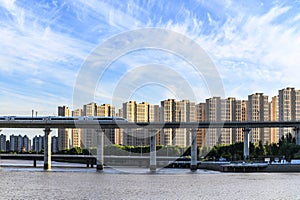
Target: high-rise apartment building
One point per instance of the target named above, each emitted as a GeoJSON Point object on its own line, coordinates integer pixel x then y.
{"type": "Point", "coordinates": [54, 144]}
{"type": "Point", "coordinates": [89, 136]}
{"type": "Point", "coordinates": [213, 113]}
{"type": "Point", "coordinates": [274, 116]}
{"type": "Point", "coordinates": [119, 132]}
{"type": "Point", "coordinates": [217, 109]}
{"type": "Point", "coordinates": [167, 115]}
{"type": "Point", "coordinates": [38, 143]}
{"type": "Point", "coordinates": [19, 143]}
{"type": "Point", "coordinates": [241, 114]}
{"type": "Point", "coordinates": [154, 116]}
{"type": "Point", "coordinates": [289, 107]}
{"type": "Point", "coordinates": [177, 111]}
{"type": "Point", "coordinates": [200, 117]}
{"type": "Point", "coordinates": [154, 113]}
{"type": "Point", "coordinates": [76, 132]}
{"type": "Point", "coordinates": [184, 112]}
{"type": "Point", "coordinates": [142, 115]}
{"type": "Point", "coordinates": [106, 110]}
{"type": "Point", "coordinates": [258, 110]}
{"type": "Point", "coordinates": [64, 134]}
{"type": "Point", "coordinates": [2, 142]}
{"type": "Point", "coordinates": [26, 144]}
{"type": "Point", "coordinates": [129, 112]}
{"type": "Point", "coordinates": [90, 109]}
{"type": "Point", "coordinates": [134, 112]}
{"type": "Point", "coordinates": [228, 107]}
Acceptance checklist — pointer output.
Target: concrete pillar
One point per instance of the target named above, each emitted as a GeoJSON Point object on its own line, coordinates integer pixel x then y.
{"type": "Point", "coordinates": [47, 149]}
{"type": "Point", "coordinates": [100, 150]}
{"type": "Point", "coordinates": [152, 150]}
{"type": "Point", "coordinates": [297, 135]}
{"type": "Point", "coordinates": [246, 143]}
{"type": "Point", "coordinates": [194, 150]}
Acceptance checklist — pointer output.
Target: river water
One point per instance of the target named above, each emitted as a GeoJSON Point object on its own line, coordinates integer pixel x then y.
{"type": "Point", "coordinates": [66, 181]}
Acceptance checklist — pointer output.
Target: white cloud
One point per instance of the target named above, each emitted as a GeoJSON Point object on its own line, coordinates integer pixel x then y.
{"type": "Point", "coordinates": [253, 50]}
{"type": "Point", "coordinates": [39, 63]}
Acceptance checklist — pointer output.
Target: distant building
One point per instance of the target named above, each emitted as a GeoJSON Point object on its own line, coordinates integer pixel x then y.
{"type": "Point", "coordinates": [241, 114]}
{"type": "Point", "coordinates": [76, 132]}
{"type": "Point", "coordinates": [213, 113]}
{"type": "Point", "coordinates": [177, 111]}
{"type": "Point", "coordinates": [142, 115]}
{"type": "Point", "coordinates": [289, 107]}
{"type": "Point", "coordinates": [167, 114]}
{"type": "Point", "coordinates": [89, 136]}
{"type": "Point", "coordinates": [64, 134]}
{"type": "Point", "coordinates": [2, 142]}
{"type": "Point", "coordinates": [90, 109]}
{"type": "Point", "coordinates": [54, 144]}
{"type": "Point", "coordinates": [106, 110]}
{"type": "Point", "coordinates": [274, 116]}
{"type": "Point", "coordinates": [26, 143]}
{"type": "Point", "coordinates": [38, 143]}
{"type": "Point", "coordinates": [200, 117]}
{"type": "Point", "coordinates": [154, 116]}
{"type": "Point", "coordinates": [19, 143]}
{"type": "Point", "coordinates": [13, 143]}
{"type": "Point", "coordinates": [258, 110]}
{"type": "Point", "coordinates": [184, 112]}
{"type": "Point", "coordinates": [129, 113]}
{"type": "Point", "coordinates": [119, 132]}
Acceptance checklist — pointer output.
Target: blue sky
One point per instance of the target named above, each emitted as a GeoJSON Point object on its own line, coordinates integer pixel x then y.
{"type": "Point", "coordinates": [255, 46]}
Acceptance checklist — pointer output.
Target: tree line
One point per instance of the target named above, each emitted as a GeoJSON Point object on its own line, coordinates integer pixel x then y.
{"type": "Point", "coordinates": [285, 148]}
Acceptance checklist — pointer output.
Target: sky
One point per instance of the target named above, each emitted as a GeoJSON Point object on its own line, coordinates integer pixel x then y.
{"type": "Point", "coordinates": [45, 46]}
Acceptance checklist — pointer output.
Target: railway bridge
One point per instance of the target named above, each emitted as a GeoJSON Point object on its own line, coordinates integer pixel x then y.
{"type": "Point", "coordinates": [102, 123]}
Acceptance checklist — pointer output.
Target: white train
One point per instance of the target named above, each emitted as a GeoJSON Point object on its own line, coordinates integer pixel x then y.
{"type": "Point", "coordinates": [61, 118]}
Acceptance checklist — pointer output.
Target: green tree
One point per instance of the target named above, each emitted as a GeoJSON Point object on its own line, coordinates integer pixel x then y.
{"type": "Point", "coordinates": [75, 151]}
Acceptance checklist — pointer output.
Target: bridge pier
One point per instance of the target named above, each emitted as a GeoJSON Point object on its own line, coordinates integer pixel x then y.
{"type": "Point", "coordinates": [246, 143]}
{"type": "Point", "coordinates": [47, 149]}
{"type": "Point", "coordinates": [100, 150]}
{"type": "Point", "coordinates": [297, 135]}
{"type": "Point", "coordinates": [194, 165]}
{"type": "Point", "coordinates": [153, 150]}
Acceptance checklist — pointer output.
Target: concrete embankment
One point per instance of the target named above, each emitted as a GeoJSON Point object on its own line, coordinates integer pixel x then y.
{"type": "Point", "coordinates": [216, 166]}
{"type": "Point", "coordinates": [283, 168]}
{"type": "Point", "coordinates": [249, 167]}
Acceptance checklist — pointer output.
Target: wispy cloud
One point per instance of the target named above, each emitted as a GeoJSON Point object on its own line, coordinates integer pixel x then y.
{"type": "Point", "coordinates": [255, 45]}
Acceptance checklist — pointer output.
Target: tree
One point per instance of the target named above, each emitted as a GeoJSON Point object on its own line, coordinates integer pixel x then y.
{"type": "Point", "coordinates": [76, 151]}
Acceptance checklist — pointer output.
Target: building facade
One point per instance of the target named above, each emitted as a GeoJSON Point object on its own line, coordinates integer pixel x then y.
{"type": "Point", "coordinates": [2, 142]}
{"type": "Point", "coordinates": [54, 144]}
{"type": "Point", "coordinates": [200, 117]}
{"type": "Point", "coordinates": [241, 114]}
{"type": "Point", "coordinates": [89, 136]}
{"type": "Point", "coordinates": [167, 115]}
{"type": "Point", "coordinates": [274, 116]}
{"type": "Point", "coordinates": [38, 143]}
{"type": "Point", "coordinates": [258, 110]}
{"type": "Point", "coordinates": [64, 134]}
{"type": "Point", "coordinates": [129, 111]}
{"type": "Point", "coordinates": [19, 143]}
{"type": "Point", "coordinates": [289, 107]}
{"type": "Point", "coordinates": [77, 132]}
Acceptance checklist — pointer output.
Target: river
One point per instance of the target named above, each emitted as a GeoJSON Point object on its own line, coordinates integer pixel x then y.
{"type": "Point", "coordinates": [67, 181]}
